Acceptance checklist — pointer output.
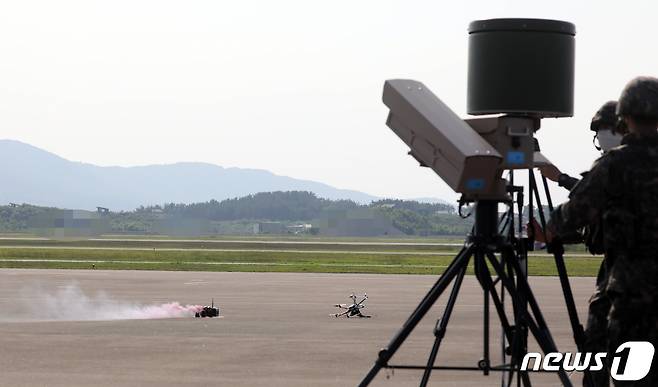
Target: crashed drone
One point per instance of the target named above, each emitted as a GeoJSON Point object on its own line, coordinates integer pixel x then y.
{"type": "Point", "coordinates": [208, 311]}
{"type": "Point", "coordinates": [354, 309]}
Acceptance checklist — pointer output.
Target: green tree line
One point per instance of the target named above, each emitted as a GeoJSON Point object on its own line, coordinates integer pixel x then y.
{"type": "Point", "coordinates": [410, 217]}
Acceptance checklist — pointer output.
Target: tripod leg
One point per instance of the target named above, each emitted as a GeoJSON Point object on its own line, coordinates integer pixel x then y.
{"type": "Point", "coordinates": [539, 328]}
{"type": "Point", "coordinates": [558, 253]}
{"type": "Point", "coordinates": [525, 379]}
{"type": "Point", "coordinates": [547, 192]}
{"type": "Point", "coordinates": [485, 332]}
{"type": "Point", "coordinates": [509, 334]}
{"type": "Point", "coordinates": [484, 277]}
{"type": "Point", "coordinates": [578, 331]}
{"type": "Point", "coordinates": [440, 329]}
{"type": "Point", "coordinates": [449, 268]}
{"type": "Point", "coordinates": [576, 326]}
{"type": "Point", "coordinates": [460, 261]}
{"type": "Point", "coordinates": [519, 345]}
{"type": "Point", "coordinates": [522, 287]}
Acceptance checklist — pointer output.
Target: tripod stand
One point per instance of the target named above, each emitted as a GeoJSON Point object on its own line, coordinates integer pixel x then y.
{"type": "Point", "coordinates": [509, 269]}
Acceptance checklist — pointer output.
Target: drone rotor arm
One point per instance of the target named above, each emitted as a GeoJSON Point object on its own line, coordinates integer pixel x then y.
{"type": "Point", "coordinates": [342, 314]}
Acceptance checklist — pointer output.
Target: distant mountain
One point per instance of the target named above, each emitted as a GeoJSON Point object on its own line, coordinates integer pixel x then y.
{"type": "Point", "coordinates": [32, 175]}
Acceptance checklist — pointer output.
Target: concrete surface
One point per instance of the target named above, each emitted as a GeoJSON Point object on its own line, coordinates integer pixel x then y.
{"type": "Point", "coordinates": [276, 330]}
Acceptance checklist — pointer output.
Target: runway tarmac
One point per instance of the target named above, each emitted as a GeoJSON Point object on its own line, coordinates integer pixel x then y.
{"type": "Point", "coordinates": [276, 330]}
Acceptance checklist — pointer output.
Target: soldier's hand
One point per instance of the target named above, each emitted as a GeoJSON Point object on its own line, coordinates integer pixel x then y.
{"type": "Point", "coordinates": [551, 172]}
{"type": "Point", "coordinates": [538, 234]}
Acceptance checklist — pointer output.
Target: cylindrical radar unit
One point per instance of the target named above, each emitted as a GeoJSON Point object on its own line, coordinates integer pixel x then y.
{"type": "Point", "coordinates": [521, 67]}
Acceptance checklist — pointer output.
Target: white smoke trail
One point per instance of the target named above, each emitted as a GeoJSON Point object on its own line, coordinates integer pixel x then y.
{"type": "Point", "coordinates": [70, 303]}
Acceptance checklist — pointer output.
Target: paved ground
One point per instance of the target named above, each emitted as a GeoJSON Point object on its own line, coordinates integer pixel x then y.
{"type": "Point", "coordinates": [276, 330]}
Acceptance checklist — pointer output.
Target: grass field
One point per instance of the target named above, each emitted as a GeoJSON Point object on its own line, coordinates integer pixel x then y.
{"type": "Point", "coordinates": [370, 255]}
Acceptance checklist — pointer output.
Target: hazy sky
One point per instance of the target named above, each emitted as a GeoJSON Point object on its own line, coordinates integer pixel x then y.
{"type": "Point", "coordinates": [293, 87]}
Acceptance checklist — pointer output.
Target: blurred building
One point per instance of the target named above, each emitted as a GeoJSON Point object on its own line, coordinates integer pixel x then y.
{"type": "Point", "coordinates": [57, 223]}
{"type": "Point", "coordinates": [270, 228]}
{"type": "Point", "coordinates": [358, 223]}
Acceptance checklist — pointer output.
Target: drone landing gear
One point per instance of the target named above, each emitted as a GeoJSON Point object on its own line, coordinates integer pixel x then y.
{"type": "Point", "coordinates": [352, 316]}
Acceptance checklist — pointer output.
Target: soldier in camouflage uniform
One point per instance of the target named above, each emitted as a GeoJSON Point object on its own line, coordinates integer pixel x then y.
{"type": "Point", "coordinates": [604, 124]}
{"type": "Point", "coordinates": [622, 190]}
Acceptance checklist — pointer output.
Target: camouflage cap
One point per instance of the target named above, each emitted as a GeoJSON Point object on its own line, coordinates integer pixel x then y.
{"type": "Point", "coordinates": [639, 98]}
{"type": "Point", "coordinates": [605, 117]}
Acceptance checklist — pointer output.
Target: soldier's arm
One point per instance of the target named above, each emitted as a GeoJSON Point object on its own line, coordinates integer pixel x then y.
{"type": "Point", "coordinates": [567, 181]}
{"type": "Point", "coordinates": [586, 201]}
{"type": "Point", "coordinates": [551, 172]}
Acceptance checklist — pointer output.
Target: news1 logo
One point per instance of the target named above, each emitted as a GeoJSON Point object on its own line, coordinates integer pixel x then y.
{"type": "Point", "coordinates": [631, 361]}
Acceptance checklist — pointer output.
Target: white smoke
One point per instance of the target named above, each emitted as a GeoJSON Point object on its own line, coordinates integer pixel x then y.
{"type": "Point", "coordinates": [70, 303]}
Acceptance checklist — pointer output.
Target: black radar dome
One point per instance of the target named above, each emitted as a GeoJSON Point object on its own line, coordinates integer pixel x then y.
{"type": "Point", "coordinates": [521, 66]}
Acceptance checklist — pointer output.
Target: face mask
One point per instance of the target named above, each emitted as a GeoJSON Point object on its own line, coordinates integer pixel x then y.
{"type": "Point", "coordinates": [608, 139]}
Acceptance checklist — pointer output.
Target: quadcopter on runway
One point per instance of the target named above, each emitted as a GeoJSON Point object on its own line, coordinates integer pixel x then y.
{"type": "Point", "coordinates": [354, 309]}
